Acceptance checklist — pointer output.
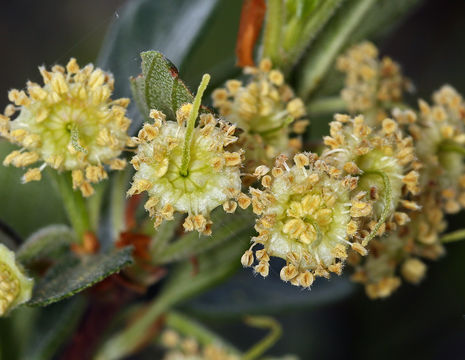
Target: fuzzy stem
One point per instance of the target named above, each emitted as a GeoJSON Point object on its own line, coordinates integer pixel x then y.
{"type": "Point", "coordinates": [330, 44]}
{"type": "Point", "coordinates": [273, 29]}
{"type": "Point", "coordinates": [304, 34]}
{"type": "Point", "coordinates": [190, 328]}
{"type": "Point", "coordinates": [387, 199]}
{"type": "Point", "coordinates": [263, 322]}
{"type": "Point", "coordinates": [453, 236]}
{"type": "Point", "coordinates": [74, 204]}
{"type": "Point", "coordinates": [94, 205]}
{"type": "Point", "coordinates": [186, 151]}
{"type": "Point", "coordinates": [118, 201]}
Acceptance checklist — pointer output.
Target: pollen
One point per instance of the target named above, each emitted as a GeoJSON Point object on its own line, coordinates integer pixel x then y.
{"type": "Point", "coordinates": [377, 162]}
{"type": "Point", "coordinates": [438, 133]}
{"type": "Point", "coordinates": [70, 123]}
{"type": "Point", "coordinates": [303, 217]}
{"type": "Point", "coordinates": [212, 178]}
{"type": "Point", "coordinates": [371, 84]}
{"type": "Point", "coordinates": [268, 113]}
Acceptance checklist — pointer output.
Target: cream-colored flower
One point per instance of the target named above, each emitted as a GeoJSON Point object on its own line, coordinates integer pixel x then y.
{"type": "Point", "coordinates": [212, 173]}
{"type": "Point", "coordinates": [372, 85]}
{"type": "Point", "coordinates": [379, 162]}
{"type": "Point", "coordinates": [439, 134]}
{"type": "Point", "coordinates": [397, 255]}
{"type": "Point", "coordinates": [190, 349]}
{"type": "Point", "coordinates": [15, 287]}
{"type": "Point", "coordinates": [305, 218]}
{"type": "Point", "coordinates": [70, 124]}
{"type": "Point", "coordinates": [266, 110]}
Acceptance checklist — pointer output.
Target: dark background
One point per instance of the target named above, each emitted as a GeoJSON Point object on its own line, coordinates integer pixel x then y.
{"type": "Point", "coordinates": [424, 322]}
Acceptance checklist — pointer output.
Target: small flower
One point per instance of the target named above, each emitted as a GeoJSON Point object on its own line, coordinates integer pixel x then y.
{"type": "Point", "coordinates": [70, 124]}
{"type": "Point", "coordinates": [304, 218]}
{"type": "Point", "coordinates": [208, 179]}
{"type": "Point", "coordinates": [372, 85]}
{"type": "Point", "coordinates": [439, 134]}
{"type": "Point", "coordinates": [379, 163]}
{"type": "Point", "coordinates": [266, 110]}
{"type": "Point", "coordinates": [397, 255]}
{"type": "Point", "coordinates": [15, 287]}
{"type": "Point", "coordinates": [190, 349]}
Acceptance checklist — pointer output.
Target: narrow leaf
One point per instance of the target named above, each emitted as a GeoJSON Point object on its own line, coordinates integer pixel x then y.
{"type": "Point", "coordinates": [46, 243]}
{"type": "Point", "coordinates": [186, 282]}
{"type": "Point", "coordinates": [72, 275]}
{"type": "Point", "coordinates": [53, 328]}
{"type": "Point", "coordinates": [331, 42]}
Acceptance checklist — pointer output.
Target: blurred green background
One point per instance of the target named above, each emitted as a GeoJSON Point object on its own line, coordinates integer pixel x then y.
{"type": "Point", "coordinates": [417, 322]}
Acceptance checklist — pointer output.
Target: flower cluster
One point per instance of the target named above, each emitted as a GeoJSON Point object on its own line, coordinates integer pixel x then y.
{"type": "Point", "coordinates": [15, 287]}
{"type": "Point", "coordinates": [69, 124]}
{"type": "Point", "coordinates": [381, 161]}
{"type": "Point", "coordinates": [438, 136]}
{"type": "Point", "coordinates": [439, 132]}
{"type": "Point", "coordinates": [189, 349]}
{"type": "Point", "coordinates": [372, 85]}
{"type": "Point", "coordinates": [305, 218]}
{"type": "Point", "coordinates": [266, 110]}
{"type": "Point", "coordinates": [209, 178]}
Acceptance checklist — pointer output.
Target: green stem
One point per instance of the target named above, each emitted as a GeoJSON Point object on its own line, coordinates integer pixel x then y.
{"type": "Point", "coordinates": [118, 201]}
{"type": "Point", "coordinates": [458, 235]}
{"type": "Point", "coordinates": [181, 286]}
{"type": "Point", "coordinates": [263, 322]}
{"type": "Point", "coordinates": [326, 105]}
{"type": "Point", "coordinates": [387, 200]}
{"type": "Point", "coordinates": [188, 327]}
{"type": "Point", "coordinates": [73, 202]}
{"type": "Point", "coordinates": [448, 147]}
{"type": "Point", "coordinates": [186, 151]}
{"type": "Point", "coordinates": [94, 205]}
{"type": "Point", "coordinates": [316, 20]}
{"type": "Point", "coordinates": [272, 33]}
{"type": "Point", "coordinates": [330, 44]}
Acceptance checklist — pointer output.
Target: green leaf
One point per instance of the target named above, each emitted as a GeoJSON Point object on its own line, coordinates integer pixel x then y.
{"type": "Point", "coordinates": [72, 275]}
{"type": "Point", "coordinates": [355, 20]}
{"type": "Point", "coordinates": [53, 328]}
{"type": "Point", "coordinates": [16, 331]}
{"type": "Point", "coordinates": [248, 294]}
{"type": "Point", "coordinates": [26, 207]}
{"type": "Point", "coordinates": [285, 42]}
{"type": "Point", "coordinates": [330, 43]}
{"type": "Point", "coordinates": [382, 17]}
{"type": "Point", "coordinates": [171, 27]}
{"type": "Point", "coordinates": [160, 87]}
{"type": "Point", "coordinates": [220, 34]}
{"type": "Point", "coordinates": [226, 227]}
{"type": "Point", "coordinates": [192, 329]}
{"type": "Point", "coordinates": [168, 26]}
{"type": "Point", "coordinates": [48, 242]}
{"type": "Point", "coordinates": [185, 282]}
